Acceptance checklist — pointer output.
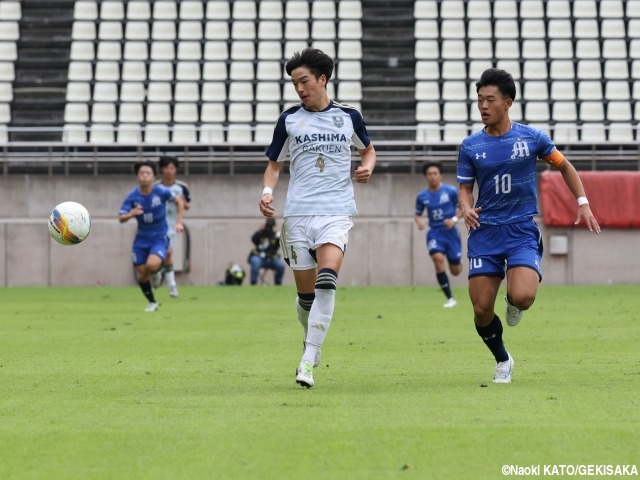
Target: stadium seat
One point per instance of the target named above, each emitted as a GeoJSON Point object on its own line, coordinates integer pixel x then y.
{"type": "Point", "coordinates": [112, 10]}
{"type": "Point", "coordinates": [130, 113]}
{"type": "Point", "coordinates": [268, 70]}
{"type": "Point", "coordinates": [349, 91]}
{"type": "Point", "coordinates": [558, 9]}
{"type": "Point", "coordinates": [163, 30]}
{"type": "Point", "coordinates": [270, 10]}
{"type": "Point", "coordinates": [589, 70]}
{"type": "Point", "coordinates": [591, 111]}
{"type": "Point", "coordinates": [590, 90]}
{"type": "Point", "coordinates": [76, 92]}
{"type": "Point", "coordinates": [563, 90]}
{"type": "Point", "coordinates": [191, 30]}
{"type": "Point", "coordinates": [218, 10]}
{"type": "Point", "coordinates": [636, 90]}
{"type": "Point", "coordinates": [296, 30]}
{"type": "Point", "coordinates": [535, 70]}
{"type": "Point", "coordinates": [270, 30]}
{"type": "Point", "coordinates": [186, 112]}
{"type": "Point", "coordinates": [216, 91]}
{"type": "Point", "coordinates": [263, 133]}
{"type": "Point", "coordinates": [535, 90]}
{"type": "Point", "coordinates": [74, 133]}
{"type": "Point", "coordinates": [85, 10]}
{"type": "Point", "coordinates": [428, 112]}
{"type": "Point", "coordinates": [159, 91]}
{"type": "Point", "coordinates": [585, 9]}
{"type": "Point", "coordinates": [135, 50]}
{"type": "Point", "coordinates": [189, 50]}
{"type": "Point", "coordinates": [213, 113]}
{"type": "Point", "coordinates": [427, 50]}
{"type": "Point", "coordinates": [564, 132]}
{"type": "Point", "coordinates": [560, 28]}
{"type": "Point", "coordinates": [76, 113]}
{"type": "Point", "coordinates": [105, 92]}
{"type": "Point", "coordinates": [107, 71]}
{"type": "Point", "coordinates": [211, 133]}
{"type": "Point", "coordinates": [560, 49]}
{"type": "Point", "coordinates": [268, 92]}
{"type": "Point", "coordinates": [5, 113]}
{"type": "Point", "coordinates": [110, 30]}
{"type": "Point", "coordinates": [617, 90]}
{"type": "Point", "coordinates": [81, 50]}
{"type": "Point", "coordinates": [241, 92]}
{"type": "Point", "coordinates": [479, 9]}
{"type": "Point", "coordinates": [424, 9]}
{"type": "Point", "coordinates": [240, 112]}
{"type": "Point", "coordinates": [6, 92]}
{"type": "Point", "coordinates": [533, 28]}
{"type": "Point", "coordinates": [455, 112]}
{"type": "Point", "coordinates": [479, 29]}
{"type": "Point", "coordinates": [132, 92]}
{"type": "Point", "coordinates": [454, 132]}
{"type": "Point", "coordinates": [453, 29]}
{"type": "Point", "coordinates": [216, 50]}
{"type": "Point", "coordinates": [454, 90]}
{"type": "Point", "coordinates": [429, 133]}
{"type": "Point", "coordinates": [159, 112]}
{"type": "Point", "coordinates": [620, 132]}
{"type": "Point", "coordinates": [454, 70]}
{"type": "Point", "coordinates": [564, 112]}
{"type": "Point", "coordinates": [348, 9]}
{"type": "Point", "coordinates": [586, 28]}
{"type": "Point", "coordinates": [611, 9]}
{"type": "Point", "coordinates": [184, 133]}
{"type": "Point", "coordinates": [348, 70]}
{"type": "Point", "coordinates": [296, 10]}
{"type": "Point", "coordinates": [214, 71]}
{"type": "Point", "coordinates": [129, 133]}
{"type": "Point", "coordinates": [156, 134]}
{"type": "Point", "coordinates": [165, 10]}
{"type": "Point", "coordinates": [619, 111]}
{"type": "Point", "coordinates": [269, 50]}
{"type": "Point", "coordinates": [427, 70]}
{"type": "Point", "coordinates": [192, 10]}
{"type": "Point", "coordinates": [138, 10]}
{"type": "Point", "coordinates": [216, 30]}
{"type": "Point", "coordinates": [83, 31]}
{"type": "Point", "coordinates": [562, 70]}
{"type": "Point", "coordinates": [102, 133]}
{"type": "Point", "coordinates": [509, 49]}
{"type": "Point", "coordinates": [242, 50]}
{"type": "Point", "coordinates": [134, 71]}
{"type": "Point", "coordinates": [451, 9]}
{"type": "Point", "coordinates": [349, 30]}
{"type": "Point", "coordinates": [481, 49]}
{"type": "Point", "coordinates": [349, 50]}
{"type": "Point", "coordinates": [505, 9]}
{"type": "Point", "coordinates": [327, 46]}
{"type": "Point", "coordinates": [239, 133]}
{"type": "Point", "coordinates": [267, 112]}
{"type": "Point", "coordinates": [8, 52]}
{"type": "Point", "coordinates": [136, 30]}
{"type": "Point", "coordinates": [613, 28]}
{"type": "Point", "coordinates": [592, 132]}
{"type": "Point", "coordinates": [506, 28]}
{"type": "Point", "coordinates": [188, 71]}
{"type": "Point", "coordinates": [531, 9]}
{"type": "Point", "coordinates": [186, 92]}
{"type": "Point", "coordinates": [109, 51]}
{"type": "Point", "coordinates": [103, 112]}
{"type": "Point", "coordinates": [536, 112]}
{"type": "Point", "coordinates": [511, 66]}
{"type": "Point", "coordinates": [323, 9]}
{"type": "Point", "coordinates": [616, 69]}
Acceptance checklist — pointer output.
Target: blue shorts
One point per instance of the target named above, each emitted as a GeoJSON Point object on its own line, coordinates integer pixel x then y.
{"type": "Point", "coordinates": [143, 247]}
{"type": "Point", "coordinates": [493, 249]}
{"type": "Point", "coordinates": [446, 241]}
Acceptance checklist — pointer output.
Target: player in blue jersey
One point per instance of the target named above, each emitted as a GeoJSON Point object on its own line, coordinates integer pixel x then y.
{"type": "Point", "coordinates": [168, 169]}
{"type": "Point", "coordinates": [503, 237]}
{"type": "Point", "coordinates": [443, 240]}
{"type": "Point", "coordinates": [317, 135]}
{"type": "Point", "coordinates": [147, 204]}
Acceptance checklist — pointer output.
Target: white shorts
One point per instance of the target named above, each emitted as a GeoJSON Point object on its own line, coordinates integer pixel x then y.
{"type": "Point", "coordinates": [302, 235]}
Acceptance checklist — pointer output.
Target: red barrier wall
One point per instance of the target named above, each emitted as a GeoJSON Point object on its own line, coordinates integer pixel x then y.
{"type": "Point", "coordinates": [614, 198]}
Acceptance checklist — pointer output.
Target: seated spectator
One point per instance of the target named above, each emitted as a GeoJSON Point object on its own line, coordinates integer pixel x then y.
{"type": "Point", "coordinates": [265, 253]}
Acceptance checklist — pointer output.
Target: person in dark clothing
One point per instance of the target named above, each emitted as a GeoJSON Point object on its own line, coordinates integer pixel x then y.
{"type": "Point", "coordinates": [265, 253]}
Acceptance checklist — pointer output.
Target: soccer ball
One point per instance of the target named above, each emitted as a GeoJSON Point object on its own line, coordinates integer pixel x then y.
{"type": "Point", "coordinates": [69, 223]}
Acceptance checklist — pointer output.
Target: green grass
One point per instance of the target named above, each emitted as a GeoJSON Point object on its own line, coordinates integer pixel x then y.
{"type": "Point", "coordinates": [91, 387]}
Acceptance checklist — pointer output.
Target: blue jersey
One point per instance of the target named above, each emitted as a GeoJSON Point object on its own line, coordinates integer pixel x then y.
{"type": "Point", "coordinates": [505, 171]}
{"type": "Point", "coordinates": [440, 204]}
{"type": "Point", "coordinates": [153, 221]}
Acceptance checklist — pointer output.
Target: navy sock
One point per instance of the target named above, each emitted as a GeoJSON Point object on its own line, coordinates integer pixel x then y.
{"type": "Point", "coordinates": [492, 337]}
{"type": "Point", "coordinates": [443, 280]}
{"type": "Point", "coordinates": [147, 291]}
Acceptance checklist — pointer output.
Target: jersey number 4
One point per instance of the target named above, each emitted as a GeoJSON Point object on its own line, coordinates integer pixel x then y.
{"type": "Point", "coordinates": [320, 162]}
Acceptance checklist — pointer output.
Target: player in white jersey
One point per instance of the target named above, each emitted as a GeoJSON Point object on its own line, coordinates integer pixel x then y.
{"type": "Point", "coordinates": [168, 167]}
{"type": "Point", "coordinates": [317, 135]}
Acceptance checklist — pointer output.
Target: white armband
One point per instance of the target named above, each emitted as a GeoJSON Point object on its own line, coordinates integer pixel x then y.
{"type": "Point", "coordinates": [455, 219]}
{"type": "Point", "coordinates": [267, 190]}
{"type": "Point", "coordinates": [582, 201]}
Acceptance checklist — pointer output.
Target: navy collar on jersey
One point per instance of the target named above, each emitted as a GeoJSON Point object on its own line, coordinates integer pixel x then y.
{"type": "Point", "coordinates": [317, 111]}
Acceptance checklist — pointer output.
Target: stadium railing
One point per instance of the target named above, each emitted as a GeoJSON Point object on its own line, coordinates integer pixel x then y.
{"type": "Point", "coordinates": [394, 156]}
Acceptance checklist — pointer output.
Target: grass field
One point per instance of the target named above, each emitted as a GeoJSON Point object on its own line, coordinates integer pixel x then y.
{"type": "Point", "coordinates": [92, 387]}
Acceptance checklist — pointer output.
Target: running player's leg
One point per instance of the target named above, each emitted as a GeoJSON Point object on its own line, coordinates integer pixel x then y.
{"type": "Point", "coordinates": [169, 273]}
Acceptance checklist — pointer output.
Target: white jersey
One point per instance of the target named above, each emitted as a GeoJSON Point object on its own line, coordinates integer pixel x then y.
{"type": "Point", "coordinates": [319, 145]}
{"type": "Point", "coordinates": [179, 188]}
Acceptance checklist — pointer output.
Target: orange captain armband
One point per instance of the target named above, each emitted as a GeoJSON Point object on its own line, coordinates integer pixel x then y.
{"type": "Point", "coordinates": [555, 158]}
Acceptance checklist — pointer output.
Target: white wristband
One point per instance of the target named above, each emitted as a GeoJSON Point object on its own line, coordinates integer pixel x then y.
{"type": "Point", "coordinates": [455, 219]}
{"type": "Point", "coordinates": [582, 201]}
{"type": "Point", "coordinates": [267, 190]}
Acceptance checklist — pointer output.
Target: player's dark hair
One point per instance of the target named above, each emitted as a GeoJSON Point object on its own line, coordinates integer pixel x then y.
{"type": "Point", "coordinates": [315, 60]}
{"type": "Point", "coordinates": [146, 163]}
{"type": "Point", "coordinates": [499, 78]}
{"type": "Point", "coordinates": [166, 160]}
{"type": "Point", "coordinates": [428, 165]}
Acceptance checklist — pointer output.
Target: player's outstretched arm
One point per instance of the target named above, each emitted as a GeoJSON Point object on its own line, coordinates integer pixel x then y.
{"type": "Point", "coordinates": [572, 179]}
